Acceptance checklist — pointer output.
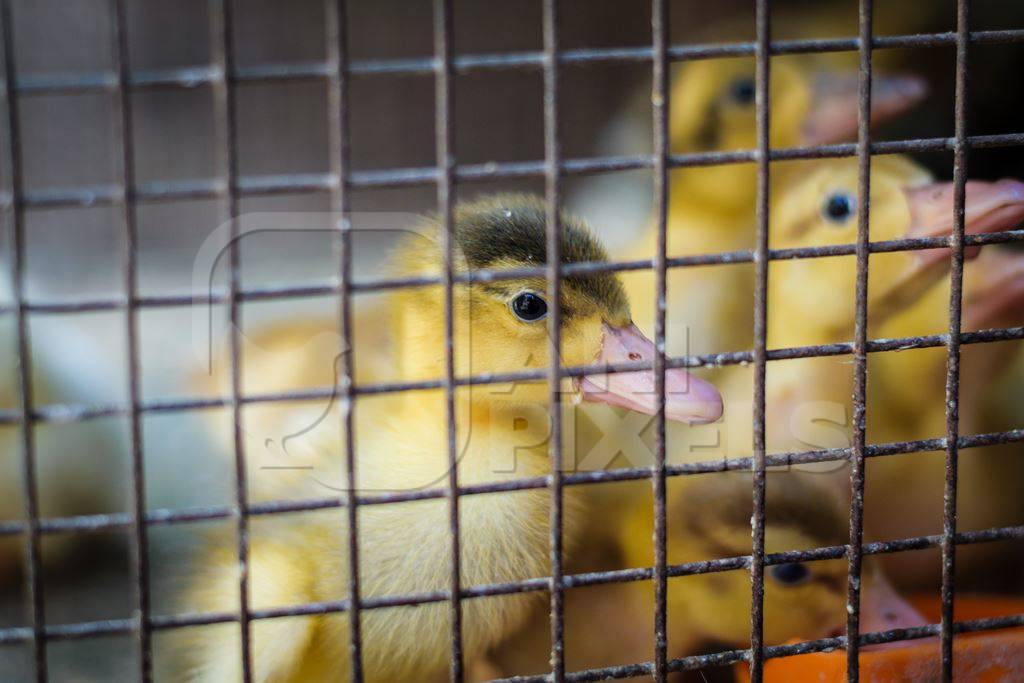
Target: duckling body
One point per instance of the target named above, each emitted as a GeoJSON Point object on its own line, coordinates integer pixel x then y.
{"type": "Point", "coordinates": [987, 491]}
{"type": "Point", "coordinates": [404, 549]}
{"type": "Point", "coordinates": [812, 302]}
{"type": "Point", "coordinates": [401, 444]}
{"type": "Point", "coordinates": [709, 518]}
{"type": "Point", "coordinates": [712, 210]}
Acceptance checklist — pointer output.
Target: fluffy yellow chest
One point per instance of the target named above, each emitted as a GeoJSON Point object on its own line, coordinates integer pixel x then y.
{"type": "Point", "coordinates": [405, 548]}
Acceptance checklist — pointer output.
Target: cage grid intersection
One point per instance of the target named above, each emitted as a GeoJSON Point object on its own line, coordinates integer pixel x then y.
{"type": "Point", "coordinates": [230, 186]}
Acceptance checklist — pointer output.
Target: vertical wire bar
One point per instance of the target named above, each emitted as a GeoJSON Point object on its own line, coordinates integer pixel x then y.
{"type": "Point", "coordinates": [763, 58]}
{"type": "Point", "coordinates": [860, 356]}
{"type": "Point", "coordinates": [445, 134]}
{"type": "Point", "coordinates": [224, 101]}
{"type": "Point", "coordinates": [552, 191]}
{"type": "Point", "coordinates": [956, 280]}
{"type": "Point", "coordinates": [125, 140]}
{"type": "Point", "coordinates": [339, 143]}
{"type": "Point", "coordinates": [660, 104]}
{"type": "Point", "coordinates": [34, 577]}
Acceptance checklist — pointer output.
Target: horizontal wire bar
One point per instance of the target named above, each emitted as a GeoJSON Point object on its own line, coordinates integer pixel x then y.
{"type": "Point", "coordinates": [66, 413]}
{"type": "Point", "coordinates": [729, 657]}
{"type": "Point", "coordinates": [256, 186]}
{"type": "Point", "coordinates": [120, 521]}
{"type": "Point", "coordinates": [196, 76]}
{"type": "Point", "coordinates": [277, 292]}
{"type": "Point", "coordinates": [163, 622]}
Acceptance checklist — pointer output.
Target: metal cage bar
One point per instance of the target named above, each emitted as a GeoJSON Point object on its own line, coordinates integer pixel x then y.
{"type": "Point", "coordinates": [338, 135]}
{"type": "Point", "coordinates": [762, 104]}
{"type": "Point", "coordinates": [33, 564]}
{"type": "Point", "coordinates": [140, 530]}
{"type": "Point", "coordinates": [444, 102]}
{"type": "Point", "coordinates": [256, 186]}
{"type": "Point", "coordinates": [222, 50]}
{"type": "Point", "coordinates": [660, 112]}
{"type": "Point", "coordinates": [191, 77]}
{"type": "Point", "coordinates": [269, 293]}
{"type": "Point", "coordinates": [165, 622]}
{"type": "Point", "coordinates": [101, 522]}
{"type": "Point", "coordinates": [553, 199]}
{"type": "Point", "coordinates": [956, 277]}
{"type": "Point", "coordinates": [77, 413]}
{"type": "Point", "coordinates": [860, 356]}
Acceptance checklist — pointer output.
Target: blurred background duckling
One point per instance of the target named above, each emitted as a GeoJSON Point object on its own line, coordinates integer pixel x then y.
{"type": "Point", "coordinates": [809, 400]}
{"type": "Point", "coordinates": [904, 493]}
{"type": "Point", "coordinates": [401, 445]}
{"type": "Point", "coordinates": [711, 208]}
{"type": "Point", "coordinates": [818, 208]}
{"type": "Point", "coordinates": [708, 517]}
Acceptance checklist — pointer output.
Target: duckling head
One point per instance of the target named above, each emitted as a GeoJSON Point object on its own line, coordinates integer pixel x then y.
{"type": "Point", "coordinates": [820, 209]}
{"type": "Point", "coordinates": [713, 109]}
{"type": "Point", "coordinates": [500, 326]}
{"type": "Point", "coordinates": [801, 600]}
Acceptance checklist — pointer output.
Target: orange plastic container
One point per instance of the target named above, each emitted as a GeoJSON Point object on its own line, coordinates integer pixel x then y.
{"type": "Point", "coordinates": [985, 657]}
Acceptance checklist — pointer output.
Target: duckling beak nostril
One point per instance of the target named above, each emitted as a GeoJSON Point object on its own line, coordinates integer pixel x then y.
{"type": "Point", "coordinates": [687, 398]}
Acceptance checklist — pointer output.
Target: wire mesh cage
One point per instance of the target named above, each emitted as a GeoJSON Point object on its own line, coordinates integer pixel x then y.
{"type": "Point", "coordinates": [228, 79]}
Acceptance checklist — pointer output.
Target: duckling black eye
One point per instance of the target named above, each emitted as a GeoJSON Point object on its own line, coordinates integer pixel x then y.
{"type": "Point", "coordinates": [838, 207]}
{"type": "Point", "coordinates": [790, 574]}
{"type": "Point", "coordinates": [529, 307]}
{"type": "Point", "coordinates": [742, 91]}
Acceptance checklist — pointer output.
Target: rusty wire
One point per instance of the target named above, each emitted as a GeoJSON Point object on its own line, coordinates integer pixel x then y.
{"type": "Point", "coordinates": [860, 356]}
{"type": "Point", "coordinates": [222, 77]}
{"type": "Point", "coordinates": [660, 111]}
{"type": "Point", "coordinates": [338, 135]}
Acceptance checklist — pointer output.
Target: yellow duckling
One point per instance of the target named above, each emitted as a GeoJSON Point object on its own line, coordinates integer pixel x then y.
{"type": "Point", "coordinates": [811, 301]}
{"type": "Point", "coordinates": [293, 354]}
{"type": "Point", "coordinates": [712, 208]}
{"type": "Point", "coordinates": [711, 519]}
{"type": "Point", "coordinates": [987, 490]}
{"type": "Point", "coordinates": [710, 308]}
{"type": "Point", "coordinates": [401, 445]}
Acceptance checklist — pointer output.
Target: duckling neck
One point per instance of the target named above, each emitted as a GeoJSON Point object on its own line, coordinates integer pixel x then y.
{"type": "Point", "coordinates": [496, 440]}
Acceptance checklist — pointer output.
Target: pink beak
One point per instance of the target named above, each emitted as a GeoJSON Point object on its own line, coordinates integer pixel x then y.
{"type": "Point", "coordinates": [687, 398]}
{"type": "Point", "coordinates": [994, 290]}
{"type": "Point", "coordinates": [833, 117]}
{"type": "Point", "coordinates": [883, 609]}
{"type": "Point", "coordinates": [988, 207]}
